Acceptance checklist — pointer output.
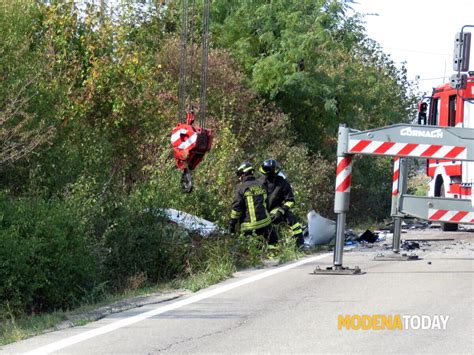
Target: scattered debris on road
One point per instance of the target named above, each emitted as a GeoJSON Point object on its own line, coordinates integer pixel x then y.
{"type": "Point", "coordinates": [406, 245]}
{"type": "Point", "coordinates": [320, 230]}
{"type": "Point", "coordinates": [368, 236]}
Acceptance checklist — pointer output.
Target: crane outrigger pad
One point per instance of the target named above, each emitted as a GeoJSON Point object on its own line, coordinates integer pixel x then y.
{"type": "Point", "coordinates": [338, 270]}
{"type": "Point", "coordinates": [396, 257]}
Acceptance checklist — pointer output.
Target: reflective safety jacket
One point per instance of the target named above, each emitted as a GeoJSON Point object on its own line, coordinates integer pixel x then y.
{"type": "Point", "coordinates": [250, 205]}
{"type": "Point", "coordinates": [280, 194]}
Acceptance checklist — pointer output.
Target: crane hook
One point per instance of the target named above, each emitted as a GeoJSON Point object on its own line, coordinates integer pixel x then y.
{"type": "Point", "coordinates": [187, 181]}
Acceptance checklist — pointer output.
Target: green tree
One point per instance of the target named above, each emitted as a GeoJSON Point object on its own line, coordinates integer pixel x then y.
{"type": "Point", "coordinates": [100, 88]}
{"type": "Point", "coordinates": [27, 89]}
{"type": "Point", "coordinates": [315, 62]}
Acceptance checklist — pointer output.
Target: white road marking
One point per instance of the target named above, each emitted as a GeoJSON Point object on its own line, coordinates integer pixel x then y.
{"type": "Point", "coordinates": [170, 307]}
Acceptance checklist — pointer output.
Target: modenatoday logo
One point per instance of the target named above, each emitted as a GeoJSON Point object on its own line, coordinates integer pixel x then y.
{"type": "Point", "coordinates": [391, 322]}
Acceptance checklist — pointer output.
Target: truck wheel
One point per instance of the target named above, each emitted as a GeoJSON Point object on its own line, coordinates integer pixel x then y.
{"type": "Point", "coordinates": [447, 227]}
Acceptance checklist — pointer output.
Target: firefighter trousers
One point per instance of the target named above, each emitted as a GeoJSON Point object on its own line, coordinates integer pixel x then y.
{"type": "Point", "coordinates": [295, 226]}
{"type": "Point", "coordinates": [268, 232]}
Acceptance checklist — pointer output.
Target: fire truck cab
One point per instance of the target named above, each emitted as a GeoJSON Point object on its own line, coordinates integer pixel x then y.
{"type": "Point", "coordinates": [451, 107]}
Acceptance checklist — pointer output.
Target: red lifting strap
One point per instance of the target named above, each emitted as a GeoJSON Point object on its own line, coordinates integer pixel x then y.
{"type": "Point", "coordinates": [190, 144]}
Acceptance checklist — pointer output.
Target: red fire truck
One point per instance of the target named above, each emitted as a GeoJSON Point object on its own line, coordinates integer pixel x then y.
{"type": "Point", "coordinates": [451, 107]}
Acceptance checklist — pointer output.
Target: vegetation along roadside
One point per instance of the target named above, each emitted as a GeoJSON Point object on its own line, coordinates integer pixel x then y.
{"type": "Point", "coordinates": [88, 97]}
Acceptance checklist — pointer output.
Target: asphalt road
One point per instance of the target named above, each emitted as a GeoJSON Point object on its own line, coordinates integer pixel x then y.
{"type": "Point", "coordinates": [291, 310]}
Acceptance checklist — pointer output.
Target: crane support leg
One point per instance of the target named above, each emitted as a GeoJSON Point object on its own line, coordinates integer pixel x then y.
{"type": "Point", "coordinates": [400, 181]}
{"type": "Point", "coordinates": [400, 140]}
{"type": "Point", "coordinates": [341, 206]}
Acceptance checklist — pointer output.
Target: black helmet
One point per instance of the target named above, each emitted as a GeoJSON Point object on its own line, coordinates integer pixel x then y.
{"type": "Point", "coordinates": [270, 167]}
{"type": "Point", "coordinates": [244, 168]}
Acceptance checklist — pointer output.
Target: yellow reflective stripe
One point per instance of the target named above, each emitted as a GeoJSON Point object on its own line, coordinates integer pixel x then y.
{"type": "Point", "coordinates": [241, 166]}
{"type": "Point", "coordinates": [246, 226]}
{"type": "Point", "coordinates": [265, 203]}
{"type": "Point", "coordinates": [295, 226]}
{"type": "Point", "coordinates": [251, 207]}
{"type": "Point", "coordinates": [289, 204]}
{"type": "Point", "coordinates": [276, 210]}
{"type": "Point", "coordinates": [235, 214]}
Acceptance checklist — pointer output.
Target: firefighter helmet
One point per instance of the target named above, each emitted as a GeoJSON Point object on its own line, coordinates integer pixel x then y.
{"type": "Point", "coordinates": [244, 169]}
{"type": "Point", "coordinates": [270, 167]}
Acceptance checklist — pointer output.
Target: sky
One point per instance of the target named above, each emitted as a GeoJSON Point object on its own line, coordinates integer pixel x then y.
{"type": "Point", "coordinates": [419, 32]}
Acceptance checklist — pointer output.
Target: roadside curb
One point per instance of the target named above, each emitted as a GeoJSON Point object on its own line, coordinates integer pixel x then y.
{"type": "Point", "coordinates": [117, 307]}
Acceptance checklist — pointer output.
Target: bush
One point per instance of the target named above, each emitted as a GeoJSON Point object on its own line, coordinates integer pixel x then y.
{"type": "Point", "coordinates": [108, 107]}
{"type": "Point", "coordinates": [46, 260]}
{"type": "Point", "coordinates": [371, 189]}
{"type": "Point", "coordinates": [140, 244]}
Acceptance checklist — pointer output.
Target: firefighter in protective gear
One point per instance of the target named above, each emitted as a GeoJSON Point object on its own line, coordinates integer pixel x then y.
{"type": "Point", "coordinates": [249, 207]}
{"type": "Point", "coordinates": [280, 198]}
